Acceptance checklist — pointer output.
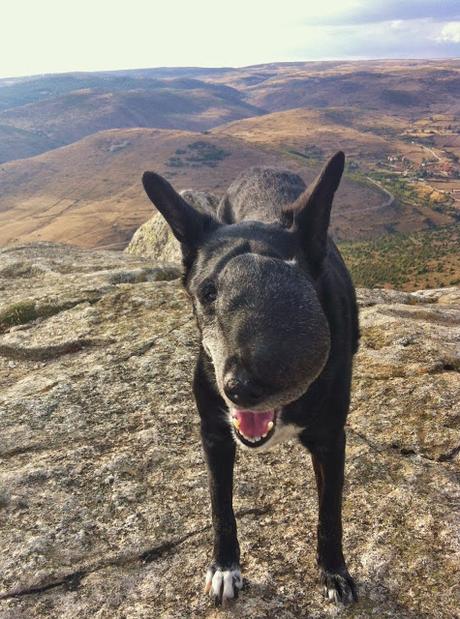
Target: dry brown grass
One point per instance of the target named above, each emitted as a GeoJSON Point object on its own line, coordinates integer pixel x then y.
{"type": "Point", "coordinates": [301, 127]}
{"type": "Point", "coordinates": [89, 193]}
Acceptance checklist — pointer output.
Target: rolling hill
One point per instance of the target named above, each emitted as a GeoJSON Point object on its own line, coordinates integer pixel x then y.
{"type": "Point", "coordinates": [89, 193]}
{"type": "Point", "coordinates": [405, 88]}
{"type": "Point", "coordinates": [52, 121]}
{"type": "Point", "coordinates": [74, 147]}
{"type": "Point", "coordinates": [18, 143]}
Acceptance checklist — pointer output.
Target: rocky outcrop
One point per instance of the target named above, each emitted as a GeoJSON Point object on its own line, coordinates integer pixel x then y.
{"type": "Point", "coordinates": [154, 238]}
{"type": "Point", "coordinates": [103, 493]}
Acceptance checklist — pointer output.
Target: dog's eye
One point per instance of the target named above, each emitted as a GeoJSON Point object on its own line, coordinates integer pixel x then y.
{"type": "Point", "coordinates": [207, 292]}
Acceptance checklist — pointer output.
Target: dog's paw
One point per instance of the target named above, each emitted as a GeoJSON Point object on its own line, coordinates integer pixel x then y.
{"type": "Point", "coordinates": [223, 584]}
{"type": "Point", "coordinates": [338, 587]}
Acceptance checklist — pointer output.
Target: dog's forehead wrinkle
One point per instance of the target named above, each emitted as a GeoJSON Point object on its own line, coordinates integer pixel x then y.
{"type": "Point", "coordinates": [270, 235]}
{"type": "Point", "coordinates": [213, 258]}
{"type": "Point", "coordinates": [221, 249]}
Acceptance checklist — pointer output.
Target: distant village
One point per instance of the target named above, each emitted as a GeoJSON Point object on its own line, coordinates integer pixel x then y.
{"type": "Point", "coordinates": [435, 167]}
{"type": "Point", "coordinates": [438, 168]}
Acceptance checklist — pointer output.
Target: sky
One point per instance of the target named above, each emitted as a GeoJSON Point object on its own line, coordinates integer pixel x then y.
{"type": "Point", "coordinates": [51, 36]}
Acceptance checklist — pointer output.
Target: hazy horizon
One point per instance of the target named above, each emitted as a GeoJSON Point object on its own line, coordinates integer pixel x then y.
{"type": "Point", "coordinates": [243, 66]}
{"type": "Point", "coordinates": [63, 36]}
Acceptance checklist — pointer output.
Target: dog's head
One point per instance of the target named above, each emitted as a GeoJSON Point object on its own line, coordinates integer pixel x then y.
{"type": "Point", "coordinates": [253, 287]}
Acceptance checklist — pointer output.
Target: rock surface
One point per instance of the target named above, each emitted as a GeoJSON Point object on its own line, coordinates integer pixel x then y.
{"type": "Point", "coordinates": [154, 238]}
{"type": "Point", "coordinates": [104, 506]}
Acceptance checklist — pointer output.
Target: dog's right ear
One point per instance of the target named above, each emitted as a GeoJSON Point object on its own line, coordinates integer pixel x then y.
{"type": "Point", "coordinates": [188, 225]}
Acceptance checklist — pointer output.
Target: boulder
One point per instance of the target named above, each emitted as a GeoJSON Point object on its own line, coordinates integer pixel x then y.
{"type": "Point", "coordinates": [104, 508]}
{"type": "Point", "coordinates": [154, 238]}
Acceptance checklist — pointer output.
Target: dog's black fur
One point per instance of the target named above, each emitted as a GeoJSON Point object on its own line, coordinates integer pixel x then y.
{"type": "Point", "coordinates": [279, 323]}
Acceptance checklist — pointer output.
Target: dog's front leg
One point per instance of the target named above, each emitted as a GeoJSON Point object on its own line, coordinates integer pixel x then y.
{"type": "Point", "coordinates": [328, 463]}
{"type": "Point", "coordinates": [223, 578]}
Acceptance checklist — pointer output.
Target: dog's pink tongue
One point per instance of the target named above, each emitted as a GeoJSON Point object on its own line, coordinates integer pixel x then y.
{"type": "Point", "coordinates": [254, 424]}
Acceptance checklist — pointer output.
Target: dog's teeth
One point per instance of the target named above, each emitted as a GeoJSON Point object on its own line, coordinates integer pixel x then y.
{"type": "Point", "coordinates": [236, 423]}
{"type": "Point", "coordinates": [270, 426]}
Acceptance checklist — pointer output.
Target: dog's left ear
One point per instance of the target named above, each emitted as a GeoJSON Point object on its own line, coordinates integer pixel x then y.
{"type": "Point", "coordinates": [312, 210]}
{"type": "Point", "coordinates": [188, 225]}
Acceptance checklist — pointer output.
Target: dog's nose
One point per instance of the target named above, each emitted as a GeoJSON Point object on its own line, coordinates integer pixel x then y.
{"type": "Point", "coordinates": [242, 391]}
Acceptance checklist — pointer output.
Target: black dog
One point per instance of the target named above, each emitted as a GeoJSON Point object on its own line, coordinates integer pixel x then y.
{"type": "Point", "coordinates": [278, 320]}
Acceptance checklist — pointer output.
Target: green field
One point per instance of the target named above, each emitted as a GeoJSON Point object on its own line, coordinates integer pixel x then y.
{"type": "Point", "coordinates": [408, 261]}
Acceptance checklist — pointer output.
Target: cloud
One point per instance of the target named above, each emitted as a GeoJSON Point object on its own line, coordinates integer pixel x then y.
{"type": "Point", "coordinates": [418, 38]}
{"type": "Point", "coordinates": [450, 33]}
{"type": "Point", "coordinates": [374, 11]}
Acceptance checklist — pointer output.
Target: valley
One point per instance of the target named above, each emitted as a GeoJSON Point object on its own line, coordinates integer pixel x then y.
{"type": "Point", "coordinates": [73, 148]}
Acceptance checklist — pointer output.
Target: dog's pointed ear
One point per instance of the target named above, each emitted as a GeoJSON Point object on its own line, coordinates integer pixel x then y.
{"type": "Point", "coordinates": [188, 225]}
{"type": "Point", "coordinates": [312, 210]}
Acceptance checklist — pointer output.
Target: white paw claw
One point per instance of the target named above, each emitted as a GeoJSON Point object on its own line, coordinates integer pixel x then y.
{"type": "Point", "coordinates": [332, 595]}
{"type": "Point", "coordinates": [223, 584]}
{"type": "Point", "coordinates": [339, 588]}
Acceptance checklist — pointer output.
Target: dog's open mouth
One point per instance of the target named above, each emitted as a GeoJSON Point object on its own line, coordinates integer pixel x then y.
{"type": "Point", "coordinates": [254, 428]}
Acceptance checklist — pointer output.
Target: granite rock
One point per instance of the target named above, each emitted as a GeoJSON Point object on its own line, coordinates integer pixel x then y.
{"type": "Point", "coordinates": [154, 238]}
{"type": "Point", "coordinates": [104, 507]}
